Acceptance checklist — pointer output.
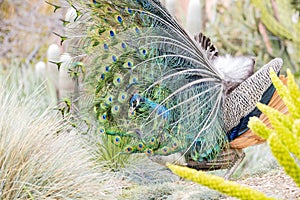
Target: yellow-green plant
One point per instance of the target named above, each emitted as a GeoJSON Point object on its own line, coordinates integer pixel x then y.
{"type": "Point", "coordinates": [217, 183]}
{"type": "Point", "coordinates": [284, 138]}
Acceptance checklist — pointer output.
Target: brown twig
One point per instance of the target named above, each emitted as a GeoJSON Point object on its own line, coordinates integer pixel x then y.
{"type": "Point", "coordinates": [263, 31]}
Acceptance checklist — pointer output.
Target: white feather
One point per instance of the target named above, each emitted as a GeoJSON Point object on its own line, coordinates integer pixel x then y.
{"type": "Point", "coordinates": [234, 69]}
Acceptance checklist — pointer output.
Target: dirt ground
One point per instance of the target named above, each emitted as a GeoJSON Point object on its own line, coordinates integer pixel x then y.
{"type": "Point", "coordinates": [274, 184]}
{"type": "Point", "coordinates": [271, 181]}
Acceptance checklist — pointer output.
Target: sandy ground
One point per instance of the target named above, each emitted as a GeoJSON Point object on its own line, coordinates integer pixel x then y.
{"type": "Point", "coordinates": [275, 184]}
{"type": "Point", "coordinates": [154, 182]}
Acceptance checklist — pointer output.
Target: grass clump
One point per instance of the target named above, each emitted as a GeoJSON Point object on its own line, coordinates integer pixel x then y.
{"type": "Point", "coordinates": [40, 158]}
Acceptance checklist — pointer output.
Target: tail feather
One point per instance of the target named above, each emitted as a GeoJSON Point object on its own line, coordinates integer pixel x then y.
{"type": "Point", "coordinates": [249, 138]}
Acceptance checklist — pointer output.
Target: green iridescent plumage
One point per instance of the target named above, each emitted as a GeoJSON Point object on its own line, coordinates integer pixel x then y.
{"type": "Point", "coordinates": [154, 87]}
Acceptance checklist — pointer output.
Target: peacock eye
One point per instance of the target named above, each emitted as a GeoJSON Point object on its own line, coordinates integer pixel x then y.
{"type": "Point", "coordinates": [137, 30]}
{"type": "Point", "coordinates": [109, 99]}
{"type": "Point", "coordinates": [105, 46]}
{"type": "Point", "coordinates": [103, 117]}
{"type": "Point", "coordinates": [107, 68]}
{"type": "Point", "coordinates": [152, 140]}
{"type": "Point", "coordinates": [122, 97]}
{"type": "Point", "coordinates": [174, 145]}
{"type": "Point", "coordinates": [118, 80]}
{"type": "Point", "coordinates": [131, 113]}
{"type": "Point", "coordinates": [129, 11]}
{"type": "Point", "coordinates": [129, 64]}
{"type": "Point", "coordinates": [140, 146]}
{"type": "Point", "coordinates": [102, 76]}
{"type": "Point", "coordinates": [115, 109]}
{"type": "Point", "coordinates": [149, 151]}
{"type": "Point", "coordinates": [128, 149]}
{"type": "Point", "coordinates": [101, 130]}
{"type": "Point", "coordinates": [123, 45]}
{"type": "Point", "coordinates": [114, 58]}
{"type": "Point", "coordinates": [165, 150]}
{"type": "Point", "coordinates": [111, 33]}
{"type": "Point", "coordinates": [117, 140]}
{"type": "Point", "coordinates": [119, 19]}
{"type": "Point", "coordinates": [143, 52]}
{"type": "Point", "coordinates": [133, 80]}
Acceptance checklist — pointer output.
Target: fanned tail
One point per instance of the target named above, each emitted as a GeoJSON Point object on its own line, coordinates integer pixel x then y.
{"type": "Point", "coordinates": [155, 90]}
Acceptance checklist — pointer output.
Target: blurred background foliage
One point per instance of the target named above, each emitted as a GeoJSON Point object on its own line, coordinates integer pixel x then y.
{"type": "Point", "coordinates": [262, 29]}
{"type": "Point", "coordinates": [26, 30]}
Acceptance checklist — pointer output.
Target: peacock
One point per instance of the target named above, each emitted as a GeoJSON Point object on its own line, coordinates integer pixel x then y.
{"type": "Point", "coordinates": [159, 91]}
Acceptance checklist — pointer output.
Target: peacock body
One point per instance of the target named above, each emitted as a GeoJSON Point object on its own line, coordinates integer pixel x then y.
{"type": "Point", "coordinates": [159, 91]}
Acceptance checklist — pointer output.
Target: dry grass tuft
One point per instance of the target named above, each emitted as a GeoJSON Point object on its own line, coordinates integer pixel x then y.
{"type": "Point", "coordinates": [39, 158]}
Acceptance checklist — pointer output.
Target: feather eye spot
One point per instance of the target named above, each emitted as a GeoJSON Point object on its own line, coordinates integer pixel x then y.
{"type": "Point", "coordinates": [107, 68]}
{"type": "Point", "coordinates": [114, 58]}
{"type": "Point", "coordinates": [101, 130]}
{"type": "Point", "coordinates": [123, 45]}
{"type": "Point", "coordinates": [118, 80]}
{"type": "Point", "coordinates": [103, 117]}
{"type": "Point", "coordinates": [109, 99]}
{"type": "Point", "coordinates": [140, 146]}
{"type": "Point", "coordinates": [133, 80]}
{"type": "Point", "coordinates": [131, 113]}
{"type": "Point", "coordinates": [122, 97]}
{"type": "Point", "coordinates": [111, 33]}
{"type": "Point", "coordinates": [129, 64]}
{"type": "Point", "coordinates": [137, 30]}
{"type": "Point", "coordinates": [143, 53]}
{"type": "Point", "coordinates": [117, 140]}
{"type": "Point", "coordinates": [119, 19]}
{"type": "Point", "coordinates": [129, 11]}
{"type": "Point", "coordinates": [165, 150]}
{"type": "Point", "coordinates": [128, 149]}
{"type": "Point", "coordinates": [149, 151]}
{"type": "Point", "coordinates": [175, 145]}
{"type": "Point", "coordinates": [105, 46]}
{"type": "Point", "coordinates": [152, 140]}
{"type": "Point", "coordinates": [115, 109]}
{"type": "Point", "coordinates": [102, 76]}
